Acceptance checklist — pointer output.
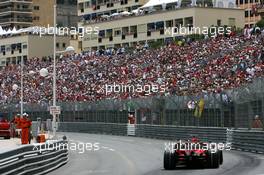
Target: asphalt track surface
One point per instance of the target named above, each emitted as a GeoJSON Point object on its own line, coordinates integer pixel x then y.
{"type": "Point", "coordinates": [119, 155]}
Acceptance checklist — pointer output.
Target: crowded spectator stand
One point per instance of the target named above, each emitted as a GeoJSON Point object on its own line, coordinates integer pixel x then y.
{"type": "Point", "coordinates": [198, 67]}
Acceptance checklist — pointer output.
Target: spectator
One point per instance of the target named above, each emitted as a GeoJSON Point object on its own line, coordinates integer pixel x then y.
{"type": "Point", "coordinates": [206, 66]}
{"type": "Point", "coordinates": [257, 123]}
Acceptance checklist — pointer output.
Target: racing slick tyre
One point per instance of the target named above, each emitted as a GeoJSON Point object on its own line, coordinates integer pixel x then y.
{"type": "Point", "coordinates": [220, 157]}
{"type": "Point", "coordinates": [213, 160]}
{"type": "Point", "coordinates": [189, 164]}
{"type": "Point", "coordinates": [169, 161]}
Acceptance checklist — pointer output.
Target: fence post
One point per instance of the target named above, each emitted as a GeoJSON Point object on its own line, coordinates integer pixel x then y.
{"type": "Point", "coordinates": [229, 135]}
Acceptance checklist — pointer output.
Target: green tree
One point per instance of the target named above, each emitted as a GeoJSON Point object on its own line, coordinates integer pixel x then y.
{"type": "Point", "coordinates": [260, 23]}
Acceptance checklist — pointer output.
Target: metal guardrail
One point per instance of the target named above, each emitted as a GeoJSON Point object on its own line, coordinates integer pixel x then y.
{"type": "Point", "coordinates": [210, 134]}
{"type": "Point", "coordinates": [34, 159]}
{"type": "Point", "coordinates": [99, 128]}
{"type": "Point", "coordinates": [240, 139]}
{"type": "Point", "coordinates": [167, 132]}
{"type": "Point", "coordinates": [248, 140]}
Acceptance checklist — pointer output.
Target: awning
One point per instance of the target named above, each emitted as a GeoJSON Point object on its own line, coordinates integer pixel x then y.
{"type": "Point", "coordinates": [125, 13]}
{"type": "Point", "coordinates": [152, 3]}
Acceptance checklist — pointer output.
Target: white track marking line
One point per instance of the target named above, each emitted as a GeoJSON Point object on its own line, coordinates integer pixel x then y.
{"type": "Point", "coordinates": [103, 147]}
{"type": "Point", "coordinates": [107, 148]}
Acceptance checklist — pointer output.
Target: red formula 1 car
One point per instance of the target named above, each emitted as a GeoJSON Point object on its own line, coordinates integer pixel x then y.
{"type": "Point", "coordinates": [5, 129]}
{"type": "Point", "coordinates": [191, 153]}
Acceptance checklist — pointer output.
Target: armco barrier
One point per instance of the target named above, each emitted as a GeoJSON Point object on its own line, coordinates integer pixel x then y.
{"type": "Point", "coordinates": [151, 131]}
{"type": "Point", "coordinates": [248, 140]}
{"type": "Point", "coordinates": [34, 159]}
{"type": "Point", "coordinates": [210, 134]}
{"type": "Point", "coordinates": [97, 128]}
{"type": "Point", "coordinates": [241, 139]}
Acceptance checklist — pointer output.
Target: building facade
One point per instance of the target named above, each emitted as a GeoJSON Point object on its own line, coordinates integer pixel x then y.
{"type": "Point", "coordinates": [66, 13]}
{"type": "Point", "coordinates": [90, 9]}
{"type": "Point", "coordinates": [127, 31]}
{"type": "Point", "coordinates": [14, 13]}
{"type": "Point", "coordinates": [40, 10]}
{"type": "Point", "coordinates": [27, 46]}
{"type": "Point", "coordinates": [259, 9]}
{"type": "Point", "coordinates": [27, 13]}
{"type": "Point", "coordinates": [251, 18]}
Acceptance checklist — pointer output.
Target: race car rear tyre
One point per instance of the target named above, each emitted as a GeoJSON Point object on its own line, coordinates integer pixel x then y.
{"type": "Point", "coordinates": [189, 164]}
{"type": "Point", "coordinates": [169, 161]}
{"type": "Point", "coordinates": [220, 157]}
{"type": "Point", "coordinates": [213, 160]}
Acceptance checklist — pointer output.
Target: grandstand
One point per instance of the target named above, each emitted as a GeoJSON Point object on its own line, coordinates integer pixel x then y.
{"type": "Point", "coordinates": [186, 76]}
{"type": "Point", "coordinates": [217, 73]}
{"type": "Point", "coordinates": [193, 69]}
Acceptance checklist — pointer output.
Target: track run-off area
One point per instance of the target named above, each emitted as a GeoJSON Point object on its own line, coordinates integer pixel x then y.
{"type": "Point", "coordinates": [120, 155]}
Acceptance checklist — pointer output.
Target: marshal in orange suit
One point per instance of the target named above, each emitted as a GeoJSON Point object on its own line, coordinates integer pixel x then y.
{"type": "Point", "coordinates": [25, 125]}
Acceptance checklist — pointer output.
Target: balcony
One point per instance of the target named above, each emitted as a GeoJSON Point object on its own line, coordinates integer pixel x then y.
{"type": "Point", "coordinates": [16, 20]}
{"type": "Point", "coordinates": [23, 1]}
{"type": "Point", "coordinates": [15, 1]}
{"type": "Point", "coordinates": [4, 1]}
{"type": "Point", "coordinates": [258, 9]}
{"type": "Point", "coordinates": [17, 10]}
{"type": "Point", "coordinates": [106, 6]}
{"type": "Point", "coordinates": [107, 2]}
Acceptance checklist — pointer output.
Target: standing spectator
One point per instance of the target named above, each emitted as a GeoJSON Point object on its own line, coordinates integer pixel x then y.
{"type": "Point", "coordinates": [257, 123]}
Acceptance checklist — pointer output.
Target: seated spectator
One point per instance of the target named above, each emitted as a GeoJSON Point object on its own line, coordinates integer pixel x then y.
{"type": "Point", "coordinates": [198, 67]}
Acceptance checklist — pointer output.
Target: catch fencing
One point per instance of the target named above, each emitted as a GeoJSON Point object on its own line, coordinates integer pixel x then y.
{"type": "Point", "coordinates": [236, 108]}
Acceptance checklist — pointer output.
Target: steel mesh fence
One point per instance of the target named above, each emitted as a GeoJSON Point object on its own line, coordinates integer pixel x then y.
{"type": "Point", "coordinates": [232, 108]}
